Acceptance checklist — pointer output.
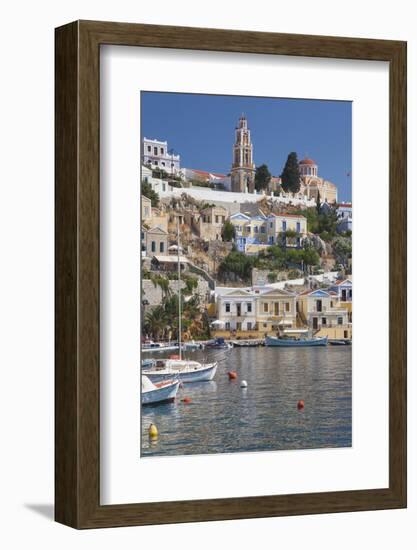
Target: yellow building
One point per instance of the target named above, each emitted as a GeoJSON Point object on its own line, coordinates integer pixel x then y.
{"type": "Point", "coordinates": [253, 313]}
{"type": "Point", "coordinates": [275, 310]}
{"type": "Point", "coordinates": [320, 311]}
{"type": "Point", "coordinates": [312, 184]}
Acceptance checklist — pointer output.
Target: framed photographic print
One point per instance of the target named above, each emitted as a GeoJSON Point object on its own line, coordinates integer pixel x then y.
{"type": "Point", "coordinates": [210, 363]}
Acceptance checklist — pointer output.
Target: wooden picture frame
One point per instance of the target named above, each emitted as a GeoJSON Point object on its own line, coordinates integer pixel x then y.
{"type": "Point", "coordinates": [77, 406]}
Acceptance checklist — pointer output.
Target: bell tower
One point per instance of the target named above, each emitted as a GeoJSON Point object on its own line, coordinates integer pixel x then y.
{"type": "Point", "coordinates": [243, 168]}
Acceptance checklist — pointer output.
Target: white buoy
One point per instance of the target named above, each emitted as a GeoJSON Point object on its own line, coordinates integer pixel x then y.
{"type": "Point", "coordinates": [243, 384]}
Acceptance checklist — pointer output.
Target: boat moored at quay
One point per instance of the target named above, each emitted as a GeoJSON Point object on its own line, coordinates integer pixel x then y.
{"type": "Point", "coordinates": [293, 342]}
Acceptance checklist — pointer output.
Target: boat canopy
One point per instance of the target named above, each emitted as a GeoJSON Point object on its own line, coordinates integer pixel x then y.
{"type": "Point", "coordinates": [296, 331]}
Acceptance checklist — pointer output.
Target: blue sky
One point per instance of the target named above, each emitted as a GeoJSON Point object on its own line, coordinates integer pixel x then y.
{"type": "Point", "coordinates": [201, 129]}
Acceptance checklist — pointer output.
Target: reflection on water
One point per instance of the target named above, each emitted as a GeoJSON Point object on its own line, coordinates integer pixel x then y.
{"type": "Point", "coordinates": [225, 418]}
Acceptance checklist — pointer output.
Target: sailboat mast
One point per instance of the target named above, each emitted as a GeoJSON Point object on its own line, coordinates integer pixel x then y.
{"type": "Point", "coordinates": [179, 288]}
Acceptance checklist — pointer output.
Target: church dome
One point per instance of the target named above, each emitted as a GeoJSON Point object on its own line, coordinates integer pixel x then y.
{"type": "Point", "coordinates": [308, 161]}
{"type": "Point", "coordinates": [308, 167]}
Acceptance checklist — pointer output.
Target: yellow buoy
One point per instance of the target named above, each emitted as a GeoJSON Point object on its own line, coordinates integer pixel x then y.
{"type": "Point", "coordinates": [153, 431]}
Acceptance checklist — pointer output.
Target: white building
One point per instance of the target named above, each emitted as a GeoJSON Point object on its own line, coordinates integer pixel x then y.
{"type": "Point", "coordinates": [237, 310]}
{"type": "Point", "coordinates": [157, 155]}
{"type": "Point", "coordinates": [158, 185]}
{"type": "Point", "coordinates": [344, 214]}
{"type": "Point", "coordinates": [192, 174]}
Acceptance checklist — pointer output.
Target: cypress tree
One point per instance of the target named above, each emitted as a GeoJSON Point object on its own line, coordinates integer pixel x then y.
{"type": "Point", "coordinates": [290, 176]}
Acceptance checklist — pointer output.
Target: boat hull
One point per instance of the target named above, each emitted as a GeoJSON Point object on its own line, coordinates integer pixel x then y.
{"type": "Point", "coordinates": [163, 394]}
{"type": "Point", "coordinates": [288, 343]}
{"type": "Point", "coordinates": [186, 376]}
{"type": "Point", "coordinates": [156, 348]}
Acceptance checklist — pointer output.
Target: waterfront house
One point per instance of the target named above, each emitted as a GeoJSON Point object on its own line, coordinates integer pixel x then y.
{"type": "Point", "coordinates": [237, 311]}
{"type": "Point", "coordinates": [320, 311]}
{"type": "Point", "coordinates": [342, 290]}
{"type": "Point", "coordinates": [275, 310]}
{"type": "Point", "coordinates": [154, 240]}
{"type": "Point", "coordinates": [253, 313]}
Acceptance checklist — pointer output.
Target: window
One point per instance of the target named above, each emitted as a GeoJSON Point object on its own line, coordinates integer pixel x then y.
{"type": "Point", "coordinates": [248, 326]}
{"type": "Point", "coordinates": [161, 247]}
{"type": "Point", "coordinates": [248, 228]}
{"type": "Point", "coordinates": [227, 307]}
{"type": "Point", "coordinates": [324, 321]}
{"type": "Point", "coordinates": [249, 307]}
{"type": "Point", "coordinates": [217, 219]}
{"type": "Point", "coordinates": [340, 320]}
{"type": "Point", "coordinates": [287, 306]}
{"type": "Point", "coordinates": [271, 225]}
{"type": "Point", "coordinates": [153, 246]}
{"type": "Point", "coordinates": [227, 326]}
{"type": "Point", "coordinates": [256, 229]}
{"type": "Point", "coordinates": [163, 163]}
{"type": "Point", "coordinates": [263, 229]}
{"type": "Point", "coordinates": [266, 308]}
{"type": "Point", "coordinates": [238, 326]}
{"type": "Point", "coordinates": [284, 225]}
{"type": "Point", "coordinates": [149, 148]}
{"type": "Point", "coordinates": [142, 235]}
{"type": "Point", "coordinates": [156, 163]}
{"type": "Point", "coordinates": [155, 150]}
{"type": "Point", "coordinates": [162, 150]}
{"type": "Point", "coordinates": [298, 227]}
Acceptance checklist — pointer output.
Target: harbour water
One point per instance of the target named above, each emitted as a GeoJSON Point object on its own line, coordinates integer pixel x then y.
{"type": "Point", "coordinates": [222, 417]}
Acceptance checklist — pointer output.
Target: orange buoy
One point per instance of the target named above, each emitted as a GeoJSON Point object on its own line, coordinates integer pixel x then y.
{"type": "Point", "coordinates": [232, 374]}
{"type": "Point", "coordinates": [186, 400]}
{"type": "Point", "coordinates": [300, 405]}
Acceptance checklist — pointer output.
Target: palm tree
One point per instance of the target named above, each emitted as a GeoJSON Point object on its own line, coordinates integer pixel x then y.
{"type": "Point", "coordinates": [155, 322]}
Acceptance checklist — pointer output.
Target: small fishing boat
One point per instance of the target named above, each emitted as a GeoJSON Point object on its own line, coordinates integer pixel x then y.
{"type": "Point", "coordinates": [246, 343]}
{"type": "Point", "coordinates": [147, 363]}
{"type": "Point", "coordinates": [159, 346]}
{"type": "Point", "coordinates": [340, 342]}
{"type": "Point", "coordinates": [161, 392]}
{"type": "Point", "coordinates": [292, 342]}
{"type": "Point", "coordinates": [192, 346]}
{"type": "Point", "coordinates": [219, 343]}
{"type": "Point", "coordinates": [185, 371]}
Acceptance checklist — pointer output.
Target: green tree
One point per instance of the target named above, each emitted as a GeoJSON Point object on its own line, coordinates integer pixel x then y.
{"type": "Point", "coordinates": [311, 257]}
{"type": "Point", "coordinates": [342, 249]}
{"type": "Point", "coordinates": [155, 322]}
{"type": "Point", "coordinates": [236, 264]}
{"type": "Point", "coordinates": [290, 177]}
{"type": "Point", "coordinates": [262, 177]}
{"type": "Point", "coordinates": [272, 277]}
{"type": "Point", "coordinates": [318, 203]}
{"type": "Point", "coordinates": [228, 231]}
{"type": "Point", "coordinates": [148, 192]}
